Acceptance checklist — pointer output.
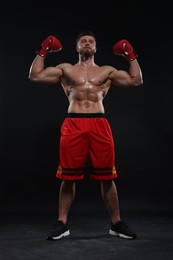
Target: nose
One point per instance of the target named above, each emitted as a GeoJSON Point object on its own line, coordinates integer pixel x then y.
{"type": "Point", "coordinates": [87, 43]}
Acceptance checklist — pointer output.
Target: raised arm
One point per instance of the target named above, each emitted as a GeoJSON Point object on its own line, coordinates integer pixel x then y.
{"type": "Point", "coordinates": [38, 72]}
{"type": "Point", "coordinates": [132, 78]}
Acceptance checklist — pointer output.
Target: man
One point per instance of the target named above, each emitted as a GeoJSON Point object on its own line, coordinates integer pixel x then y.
{"type": "Point", "coordinates": [86, 133]}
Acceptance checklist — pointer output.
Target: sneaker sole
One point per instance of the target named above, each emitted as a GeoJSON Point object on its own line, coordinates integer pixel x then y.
{"type": "Point", "coordinates": [65, 234]}
{"type": "Point", "coordinates": [113, 233]}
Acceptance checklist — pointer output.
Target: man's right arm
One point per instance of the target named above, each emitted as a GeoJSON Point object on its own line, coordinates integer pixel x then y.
{"type": "Point", "coordinates": [38, 72]}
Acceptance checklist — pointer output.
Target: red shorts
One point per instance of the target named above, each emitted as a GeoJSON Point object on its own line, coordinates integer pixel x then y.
{"type": "Point", "coordinates": [86, 137]}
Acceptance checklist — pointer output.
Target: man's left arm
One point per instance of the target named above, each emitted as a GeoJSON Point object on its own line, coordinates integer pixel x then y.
{"type": "Point", "coordinates": [133, 77]}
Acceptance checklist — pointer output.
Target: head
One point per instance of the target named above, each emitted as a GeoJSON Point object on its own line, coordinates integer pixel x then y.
{"type": "Point", "coordinates": [86, 43]}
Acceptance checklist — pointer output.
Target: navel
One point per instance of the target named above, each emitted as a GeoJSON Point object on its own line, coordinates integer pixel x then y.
{"type": "Point", "coordinates": [86, 104]}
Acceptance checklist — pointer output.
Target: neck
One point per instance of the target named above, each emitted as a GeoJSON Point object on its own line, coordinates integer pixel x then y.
{"type": "Point", "coordinates": [86, 61]}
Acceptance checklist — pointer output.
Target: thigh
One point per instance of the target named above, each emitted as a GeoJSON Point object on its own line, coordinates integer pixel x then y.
{"type": "Point", "coordinates": [73, 151]}
{"type": "Point", "coordinates": [102, 152]}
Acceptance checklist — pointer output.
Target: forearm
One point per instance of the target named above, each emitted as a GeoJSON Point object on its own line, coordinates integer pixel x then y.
{"type": "Point", "coordinates": [134, 75]}
{"type": "Point", "coordinates": [38, 72]}
{"type": "Point", "coordinates": [36, 68]}
{"type": "Point", "coordinates": [135, 72]}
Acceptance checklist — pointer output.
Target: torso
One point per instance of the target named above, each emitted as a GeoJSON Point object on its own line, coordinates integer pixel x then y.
{"type": "Point", "coordinates": [85, 87]}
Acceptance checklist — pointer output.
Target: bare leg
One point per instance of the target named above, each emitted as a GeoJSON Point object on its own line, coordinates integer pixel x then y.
{"type": "Point", "coordinates": [66, 197]}
{"type": "Point", "coordinates": [110, 197]}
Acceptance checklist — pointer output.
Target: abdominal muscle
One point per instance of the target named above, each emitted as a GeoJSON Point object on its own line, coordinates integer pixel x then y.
{"type": "Point", "coordinates": [85, 106]}
{"type": "Point", "coordinates": [86, 100]}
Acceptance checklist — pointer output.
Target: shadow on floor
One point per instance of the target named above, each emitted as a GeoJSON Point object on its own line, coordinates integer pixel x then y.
{"type": "Point", "coordinates": [25, 223]}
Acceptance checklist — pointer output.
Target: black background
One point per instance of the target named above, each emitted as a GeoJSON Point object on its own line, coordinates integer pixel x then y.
{"type": "Point", "coordinates": [31, 114]}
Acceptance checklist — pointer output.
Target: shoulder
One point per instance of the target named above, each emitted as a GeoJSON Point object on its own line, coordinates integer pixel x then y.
{"type": "Point", "coordinates": [64, 65]}
{"type": "Point", "coordinates": [109, 69]}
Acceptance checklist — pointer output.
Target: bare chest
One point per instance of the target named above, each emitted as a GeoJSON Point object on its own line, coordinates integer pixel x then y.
{"type": "Point", "coordinates": [86, 77]}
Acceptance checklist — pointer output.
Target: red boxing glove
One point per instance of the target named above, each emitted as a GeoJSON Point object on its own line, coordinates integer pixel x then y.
{"type": "Point", "coordinates": [124, 49]}
{"type": "Point", "coordinates": [50, 44]}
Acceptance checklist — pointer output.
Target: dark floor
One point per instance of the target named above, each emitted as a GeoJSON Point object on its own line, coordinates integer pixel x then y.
{"type": "Point", "coordinates": [25, 223]}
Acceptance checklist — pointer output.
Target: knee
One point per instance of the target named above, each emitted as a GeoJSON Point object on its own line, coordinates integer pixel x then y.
{"type": "Point", "coordinates": [68, 185]}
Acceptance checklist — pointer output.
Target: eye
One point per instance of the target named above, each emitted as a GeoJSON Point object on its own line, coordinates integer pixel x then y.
{"type": "Point", "coordinates": [91, 41]}
{"type": "Point", "coordinates": [83, 41]}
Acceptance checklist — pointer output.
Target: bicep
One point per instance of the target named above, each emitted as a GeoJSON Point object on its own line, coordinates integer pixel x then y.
{"type": "Point", "coordinates": [120, 78]}
{"type": "Point", "coordinates": [50, 75]}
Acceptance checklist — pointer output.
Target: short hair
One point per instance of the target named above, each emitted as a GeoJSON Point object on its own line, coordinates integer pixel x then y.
{"type": "Point", "coordinates": [90, 33]}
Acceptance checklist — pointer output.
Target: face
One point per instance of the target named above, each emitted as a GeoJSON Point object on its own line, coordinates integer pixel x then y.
{"type": "Point", "coordinates": [86, 46]}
